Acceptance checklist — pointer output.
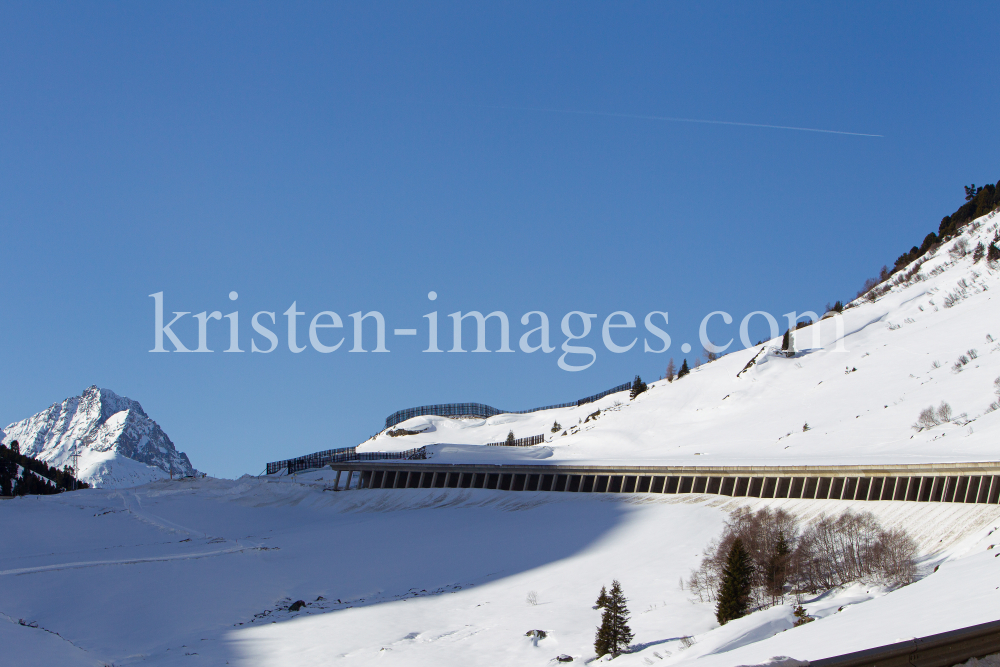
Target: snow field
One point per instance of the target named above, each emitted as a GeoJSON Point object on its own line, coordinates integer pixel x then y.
{"type": "Point", "coordinates": [202, 572]}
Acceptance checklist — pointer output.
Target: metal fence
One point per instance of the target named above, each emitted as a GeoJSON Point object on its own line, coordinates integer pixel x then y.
{"type": "Point", "coordinates": [482, 411]}
{"type": "Point", "coordinates": [342, 455]}
{"type": "Point", "coordinates": [530, 441]}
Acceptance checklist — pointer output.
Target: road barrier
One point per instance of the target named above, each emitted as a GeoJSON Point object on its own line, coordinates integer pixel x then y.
{"type": "Point", "coordinates": [946, 649]}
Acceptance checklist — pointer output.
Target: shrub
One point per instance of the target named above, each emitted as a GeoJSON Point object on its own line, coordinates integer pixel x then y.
{"type": "Point", "coordinates": [555, 427]}
{"type": "Point", "coordinates": [960, 249]}
{"type": "Point", "coordinates": [801, 617]}
{"type": "Point", "coordinates": [828, 553]}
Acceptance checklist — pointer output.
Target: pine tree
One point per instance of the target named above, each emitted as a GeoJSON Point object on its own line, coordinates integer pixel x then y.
{"type": "Point", "coordinates": [556, 427]}
{"type": "Point", "coordinates": [737, 581]}
{"type": "Point", "coordinates": [613, 635]}
{"type": "Point", "coordinates": [993, 253]}
{"type": "Point", "coordinates": [510, 439]}
{"type": "Point", "coordinates": [638, 386]}
{"type": "Point", "coordinates": [671, 370]}
{"type": "Point", "coordinates": [602, 599]}
{"type": "Point", "coordinates": [684, 370]}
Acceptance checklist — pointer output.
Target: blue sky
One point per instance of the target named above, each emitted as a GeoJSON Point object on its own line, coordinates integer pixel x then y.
{"type": "Point", "coordinates": [357, 156]}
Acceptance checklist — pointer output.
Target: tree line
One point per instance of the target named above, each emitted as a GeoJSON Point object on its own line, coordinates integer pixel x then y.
{"type": "Point", "coordinates": [22, 475]}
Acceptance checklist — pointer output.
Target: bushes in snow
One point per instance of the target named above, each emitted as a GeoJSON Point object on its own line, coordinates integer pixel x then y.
{"type": "Point", "coordinates": [783, 557]}
{"type": "Point", "coordinates": [995, 405]}
{"type": "Point", "coordinates": [929, 417]}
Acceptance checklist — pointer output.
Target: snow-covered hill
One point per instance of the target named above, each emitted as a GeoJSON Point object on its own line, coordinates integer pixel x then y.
{"type": "Point", "coordinates": [119, 445]}
{"type": "Point", "coordinates": [204, 571]}
{"type": "Point", "coordinates": [850, 395]}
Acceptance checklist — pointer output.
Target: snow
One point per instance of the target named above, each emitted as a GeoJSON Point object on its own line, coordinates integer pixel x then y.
{"type": "Point", "coordinates": [859, 391]}
{"type": "Point", "coordinates": [113, 433]}
{"type": "Point", "coordinates": [436, 577]}
{"type": "Point", "coordinates": [203, 571]}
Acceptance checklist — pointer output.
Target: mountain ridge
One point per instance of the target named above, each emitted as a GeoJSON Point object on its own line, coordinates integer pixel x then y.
{"type": "Point", "coordinates": [119, 444]}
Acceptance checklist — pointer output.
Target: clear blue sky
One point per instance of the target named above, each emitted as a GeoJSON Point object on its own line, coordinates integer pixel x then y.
{"type": "Point", "coordinates": [357, 156]}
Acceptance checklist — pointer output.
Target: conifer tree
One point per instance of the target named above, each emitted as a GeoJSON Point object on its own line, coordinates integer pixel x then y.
{"type": "Point", "coordinates": [638, 386]}
{"type": "Point", "coordinates": [556, 427]}
{"type": "Point", "coordinates": [510, 439]}
{"type": "Point", "coordinates": [602, 599]}
{"type": "Point", "coordinates": [613, 635]}
{"type": "Point", "coordinates": [671, 370]}
{"type": "Point", "coordinates": [684, 370]}
{"type": "Point", "coordinates": [737, 582]}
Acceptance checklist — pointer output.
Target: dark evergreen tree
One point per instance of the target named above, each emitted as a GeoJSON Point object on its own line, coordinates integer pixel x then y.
{"type": "Point", "coordinates": [510, 439]}
{"type": "Point", "coordinates": [556, 427]}
{"type": "Point", "coordinates": [993, 254]}
{"type": "Point", "coordinates": [602, 599]}
{"type": "Point", "coordinates": [978, 253]}
{"type": "Point", "coordinates": [638, 386]}
{"type": "Point", "coordinates": [784, 341]}
{"type": "Point", "coordinates": [684, 370]}
{"type": "Point", "coordinates": [737, 583]}
{"type": "Point", "coordinates": [613, 635]}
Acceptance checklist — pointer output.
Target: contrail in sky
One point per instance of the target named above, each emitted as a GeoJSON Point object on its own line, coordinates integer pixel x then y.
{"type": "Point", "coordinates": [687, 120]}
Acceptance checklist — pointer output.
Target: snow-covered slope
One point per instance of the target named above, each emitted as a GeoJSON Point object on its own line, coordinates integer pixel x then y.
{"type": "Point", "coordinates": [202, 572]}
{"type": "Point", "coordinates": [119, 444]}
{"type": "Point", "coordinates": [859, 382]}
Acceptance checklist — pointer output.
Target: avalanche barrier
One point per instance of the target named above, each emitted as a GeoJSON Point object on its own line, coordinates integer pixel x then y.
{"type": "Point", "coordinates": [926, 482]}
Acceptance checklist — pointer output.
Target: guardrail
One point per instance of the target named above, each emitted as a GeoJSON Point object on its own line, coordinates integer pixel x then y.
{"type": "Point", "coordinates": [530, 441]}
{"type": "Point", "coordinates": [945, 649]}
{"type": "Point", "coordinates": [482, 411]}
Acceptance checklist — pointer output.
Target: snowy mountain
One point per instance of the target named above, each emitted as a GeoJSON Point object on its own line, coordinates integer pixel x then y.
{"type": "Point", "coordinates": [120, 445]}
{"type": "Point", "coordinates": [852, 393]}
